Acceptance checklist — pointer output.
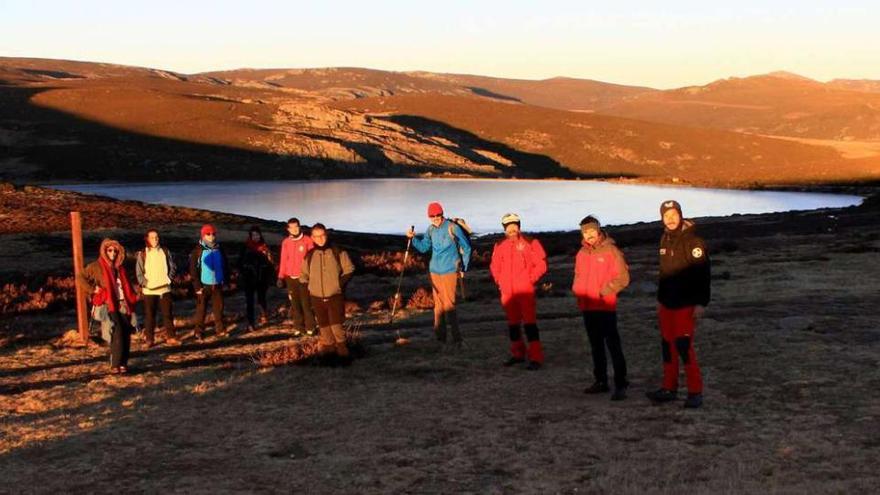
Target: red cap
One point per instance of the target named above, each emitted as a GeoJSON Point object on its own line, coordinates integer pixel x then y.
{"type": "Point", "coordinates": [208, 229]}
{"type": "Point", "coordinates": [435, 209]}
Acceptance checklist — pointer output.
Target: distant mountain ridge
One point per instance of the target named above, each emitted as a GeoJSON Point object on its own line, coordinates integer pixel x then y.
{"type": "Point", "coordinates": [68, 120]}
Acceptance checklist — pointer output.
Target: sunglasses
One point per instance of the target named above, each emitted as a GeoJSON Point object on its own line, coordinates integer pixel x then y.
{"type": "Point", "coordinates": [209, 234]}
{"type": "Point", "coordinates": [112, 250]}
{"type": "Point", "coordinates": [436, 216]}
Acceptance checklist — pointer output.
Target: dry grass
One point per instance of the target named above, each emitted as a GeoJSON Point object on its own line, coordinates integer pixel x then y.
{"type": "Point", "coordinates": [789, 349]}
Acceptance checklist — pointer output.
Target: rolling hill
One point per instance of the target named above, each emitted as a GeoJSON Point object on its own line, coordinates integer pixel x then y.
{"type": "Point", "coordinates": [780, 104]}
{"type": "Point", "coordinates": [71, 121]}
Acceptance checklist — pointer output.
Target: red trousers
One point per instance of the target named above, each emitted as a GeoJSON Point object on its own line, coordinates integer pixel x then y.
{"type": "Point", "coordinates": [522, 309]}
{"type": "Point", "coordinates": [677, 329]}
{"type": "Point", "coordinates": [519, 308]}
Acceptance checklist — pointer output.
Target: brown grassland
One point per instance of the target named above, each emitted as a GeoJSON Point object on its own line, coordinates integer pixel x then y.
{"type": "Point", "coordinates": [789, 347]}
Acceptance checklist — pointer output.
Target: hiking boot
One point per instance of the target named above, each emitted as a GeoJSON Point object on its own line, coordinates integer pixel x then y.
{"type": "Point", "coordinates": [198, 335]}
{"type": "Point", "coordinates": [533, 366]}
{"type": "Point", "coordinates": [597, 388]}
{"type": "Point", "coordinates": [512, 361]}
{"type": "Point", "coordinates": [297, 333]}
{"type": "Point", "coordinates": [662, 395]}
{"type": "Point", "coordinates": [250, 328]}
{"type": "Point", "coordinates": [693, 401]}
{"type": "Point", "coordinates": [618, 394]}
{"type": "Point", "coordinates": [310, 333]}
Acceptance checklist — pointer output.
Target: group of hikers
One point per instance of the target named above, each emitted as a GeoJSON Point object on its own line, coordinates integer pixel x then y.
{"type": "Point", "coordinates": [315, 273]}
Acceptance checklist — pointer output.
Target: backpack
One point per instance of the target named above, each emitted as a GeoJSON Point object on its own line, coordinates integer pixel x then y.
{"type": "Point", "coordinates": [468, 232]}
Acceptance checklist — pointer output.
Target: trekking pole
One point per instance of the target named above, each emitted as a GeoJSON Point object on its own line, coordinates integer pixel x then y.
{"type": "Point", "coordinates": [400, 281]}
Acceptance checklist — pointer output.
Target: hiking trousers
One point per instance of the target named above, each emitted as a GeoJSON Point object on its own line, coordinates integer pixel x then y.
{"type": "Point", "coordinates": [443, 289]}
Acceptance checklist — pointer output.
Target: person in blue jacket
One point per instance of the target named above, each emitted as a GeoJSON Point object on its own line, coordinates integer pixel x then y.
{"type": "Point", "coordinates": [209, 270]}
{"type": "Point", "coordinates": [450, 251]}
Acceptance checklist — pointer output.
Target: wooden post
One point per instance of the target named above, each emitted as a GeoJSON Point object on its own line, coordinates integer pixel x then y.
{"type": "Point", "coordinates": [82, 319]}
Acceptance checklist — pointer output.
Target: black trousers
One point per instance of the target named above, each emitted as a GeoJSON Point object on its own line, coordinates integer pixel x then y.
{"type": "Point", "coordinates": [258, 292]}
{"type": "Point", "coordinates": [152, 305]}
{"type": "Point", "coordinates": [601, 329]}
{"type": "Point", "coordinates": [214, 293]}
{"type": "Point", "coordinates": [120, 339]}
{"type": "Point", "coordinates": [300, 305]}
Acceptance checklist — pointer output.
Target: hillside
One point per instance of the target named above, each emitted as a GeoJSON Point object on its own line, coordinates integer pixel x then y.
{"type": "Point", "coordinates": [563, 93]}
{"type": "Point", "coordinates": [79, 121]}
{"type": "Point", "coordinates": [867, 85]}
{"type": "Point", "coordinates": [600, 145]}
{"type": "Point", "coordinates": [773, 104]}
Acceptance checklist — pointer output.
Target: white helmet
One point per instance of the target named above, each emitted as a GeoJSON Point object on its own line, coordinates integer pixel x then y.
{"type": "Point", "coordinates": [510, 218]}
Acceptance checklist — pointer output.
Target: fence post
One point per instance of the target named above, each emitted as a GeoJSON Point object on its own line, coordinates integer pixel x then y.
{"type": "Point", "coordinates": [82, 320]}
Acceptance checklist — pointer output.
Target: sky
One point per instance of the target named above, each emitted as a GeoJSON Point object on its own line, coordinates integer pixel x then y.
{"type": "Point", "coordinates": [649, 43]}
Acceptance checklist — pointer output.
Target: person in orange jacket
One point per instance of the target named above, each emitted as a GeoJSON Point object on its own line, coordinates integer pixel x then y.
{"type": "Point", "coordinates": [600, 273]}
{"type": "Point", "coordinates": [518, 262]}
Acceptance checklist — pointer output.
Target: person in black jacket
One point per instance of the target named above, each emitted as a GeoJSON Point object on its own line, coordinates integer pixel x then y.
{"type": "Point", "coordinates": [682, 294]}
{"type": "Point", "coordinates": [209, 270]}
{"type": "Point", "coordinates": [256, 270]}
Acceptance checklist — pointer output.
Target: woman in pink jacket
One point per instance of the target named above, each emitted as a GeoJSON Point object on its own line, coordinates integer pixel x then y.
{"type": "Point", "coordinates": [600, 273]}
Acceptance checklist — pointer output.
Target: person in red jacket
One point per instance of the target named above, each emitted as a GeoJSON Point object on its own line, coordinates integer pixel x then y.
{"type": "Point", "coordinates": [518, 262]}
{"type": "Point", "coordinates": [600, 273]}
{"type": "Point", "coordinates": [293, 250]}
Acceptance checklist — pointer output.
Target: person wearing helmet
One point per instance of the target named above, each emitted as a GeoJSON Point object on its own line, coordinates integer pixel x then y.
{"type": "Point", "coordinates": [518, 262]}
{"type": "Point", "coordinates": [450, 255]}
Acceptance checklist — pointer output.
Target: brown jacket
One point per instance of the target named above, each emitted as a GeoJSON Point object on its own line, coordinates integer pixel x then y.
{"type": "Point", "coordinates": [97, 274]}
{"type": "Point", "coordinates": [326, 271]}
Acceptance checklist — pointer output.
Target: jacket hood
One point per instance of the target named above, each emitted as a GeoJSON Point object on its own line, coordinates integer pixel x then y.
{"type": "Point", "coordinates": [604, 242]}
{"type": "Point", "coordinates": [120, 251]}
{"type": "Point", "coordinates": [688, 227]}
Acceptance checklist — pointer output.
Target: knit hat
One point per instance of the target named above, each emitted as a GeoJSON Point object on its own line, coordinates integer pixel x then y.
{"type": "Point", "coordinates": [435, 209]}
{"type": "Point", "coordinates": [208, 229]}
{"type": "Point", "coordinates": [590, 222]}
{"type": "Point", "coordinates": [509, 218]}
{"type": "Point", "coordinates": [670, 205]}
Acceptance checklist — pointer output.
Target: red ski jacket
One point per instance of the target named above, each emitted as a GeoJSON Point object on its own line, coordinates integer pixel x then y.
{"type": "Point", "coordinates": [518, 264]}
{"type": "Point", "coordinates": [293, 251]}
{"type": "Point", "coordinates": [600, 272]}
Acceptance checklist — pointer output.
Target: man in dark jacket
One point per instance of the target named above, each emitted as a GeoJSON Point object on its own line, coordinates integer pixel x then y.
{"type": "Point", "coordinates": [209, 270]}
{"type": "Point", "coordinates": [256, 270]}
{"type": "Point", "coordinates": [682, 294]}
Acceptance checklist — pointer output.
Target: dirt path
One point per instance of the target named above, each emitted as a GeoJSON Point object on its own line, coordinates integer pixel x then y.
{"type": "Point", "coordinates": [790, 349]}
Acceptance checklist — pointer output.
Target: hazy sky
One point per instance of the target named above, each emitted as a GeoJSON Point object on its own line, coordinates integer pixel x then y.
{"type": "Point", "coordinates": [654, 43]}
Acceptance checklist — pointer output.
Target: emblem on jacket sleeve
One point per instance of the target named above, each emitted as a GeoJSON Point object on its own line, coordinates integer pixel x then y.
{"type": "Point", "coordinates": [662, 251]}
{"type": "Point", "coordinates": [697, 252]}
